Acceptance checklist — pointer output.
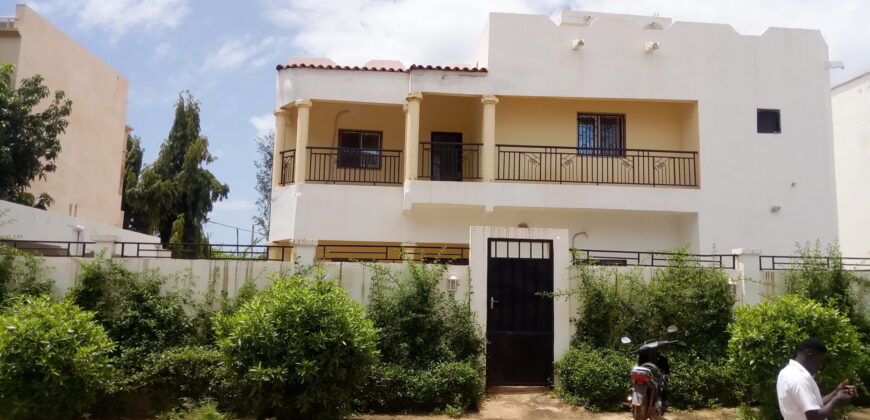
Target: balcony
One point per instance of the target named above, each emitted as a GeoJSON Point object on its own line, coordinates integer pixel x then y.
{"type": "Point", "coordinates": [334, 165]}
{"type": "Point", "coordinates": [589, 165]}
{"type": "Point", "coordinates": [443, 161]}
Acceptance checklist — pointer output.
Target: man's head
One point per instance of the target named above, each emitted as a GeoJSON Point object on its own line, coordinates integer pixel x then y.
{"type": "Point", "coordinates": [812, 354]}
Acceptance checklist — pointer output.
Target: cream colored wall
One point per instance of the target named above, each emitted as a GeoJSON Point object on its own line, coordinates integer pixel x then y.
{"type": "Point", "coordinates": [456, 114]}
{"type": "Point", "coordinates": [553, 122]}
{"type": "Point", "coordinates": [389, 119]}
{"type": "Point", "coordinates": [88, 177]}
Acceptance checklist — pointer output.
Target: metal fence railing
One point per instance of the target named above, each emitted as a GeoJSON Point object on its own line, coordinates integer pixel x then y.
{"type": "Point", "coordinates": [457, 255]}
{"type": "Point", "coordinates": [203, 251]}
{"type": "Point", "coordinates": [354, 166]}
{"type": "Point", "coordinates": [440, 161]}
{"type": "Point", "coordinates": [53, 248]}
{"type": "Point", "coordinates": [288, 166]}
{"type": "Point", "coordinates": [791, 262]}
{"type": "Point", "coordinates": [588, 165]}
{"type": "Point", "coordinates": [648, 259]}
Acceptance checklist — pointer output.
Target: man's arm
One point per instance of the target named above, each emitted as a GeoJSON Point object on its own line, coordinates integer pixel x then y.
{"type": "Point", "coordinates": [837, 398]}
{"type": "Point", "coordinates": [843, 385]}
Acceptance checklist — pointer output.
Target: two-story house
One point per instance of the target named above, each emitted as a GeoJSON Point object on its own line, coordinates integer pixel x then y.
{"type": "Point", "coordinates": [596, 131]}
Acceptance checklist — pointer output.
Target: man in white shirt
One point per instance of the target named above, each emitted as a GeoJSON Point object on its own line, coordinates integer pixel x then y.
{"type": "Point", "coordinates": [797, 391]}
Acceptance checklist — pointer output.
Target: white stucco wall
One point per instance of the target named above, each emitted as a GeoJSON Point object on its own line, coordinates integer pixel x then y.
{"type": "Point", "coordinates": [30, 224]}
{"type": "Point", "coordinates": [743, 174]}
{"type": "Point", "coordinates": [850, 103]}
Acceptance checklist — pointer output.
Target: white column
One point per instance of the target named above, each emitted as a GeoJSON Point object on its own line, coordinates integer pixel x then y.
{"type": "Point", "coordinates": [303, 110]}
{"type": "Point", "coordinates": [412, 134]}
{"type": "Point", "coordinates": [750, 286]}
{"type": "Point", "coordinates": [106, 244]}
{"type": "Point", "coordinates": [304, 251]}
{"type": "Point", "coordinates": [488, 160]}
{"type": "Point", "coordinates": [280, 146]}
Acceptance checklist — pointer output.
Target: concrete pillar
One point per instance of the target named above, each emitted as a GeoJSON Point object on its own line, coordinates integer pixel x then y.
{"type": "Point", "coordinates": [412, 134]}
{"type": "Point", "coordinates": [280, 145]}
{"type": "Point", "coordinates": [489, 159]}
{"type": "Point", "coordinates": [304, 251]}
{"type": "Point", "coordinates": [750, 289]}
{"type": "Point", "coordinates": [105, 244]}
{"type": "Point", "coordinates": [303, 109]}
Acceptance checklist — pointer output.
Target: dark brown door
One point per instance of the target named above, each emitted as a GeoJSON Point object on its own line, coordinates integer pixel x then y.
{"type": "Point", "coordinates": [446, 155]}
{"type": "Point", "coordinates": [519, 322]}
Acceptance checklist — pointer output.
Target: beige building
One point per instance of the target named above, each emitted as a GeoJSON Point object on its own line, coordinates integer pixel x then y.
{"type": "Point", "coordinates": [851, 109]}
{"type": "Point", "coordinates": [618, 135]}
{"type": "Point", "coordinates": [87, 183]}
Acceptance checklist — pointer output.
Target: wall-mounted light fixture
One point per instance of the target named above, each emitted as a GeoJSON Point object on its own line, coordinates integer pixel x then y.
{"type": "Point", "coordinates": [651, 46]}
{"type": "Point", "coordinates": [452, 283]}
{"type": "Point", "coordinates": [578, 43]}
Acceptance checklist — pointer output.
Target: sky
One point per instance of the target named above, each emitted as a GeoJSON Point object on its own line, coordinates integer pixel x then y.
{"type": "Point", "coordinates": [225, 52]}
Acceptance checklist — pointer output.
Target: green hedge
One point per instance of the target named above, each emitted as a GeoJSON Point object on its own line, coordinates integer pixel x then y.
{"type": "Point", "coordinates": [446, 387]}
{"type": "Point", "coordinates": [54, 359]}
{"type": "Point", "coordinates": [764, 337]}
{"type": "Point", "coordinates": [596, 378]}
{"type": "Point", "coordinates": [699, 383]}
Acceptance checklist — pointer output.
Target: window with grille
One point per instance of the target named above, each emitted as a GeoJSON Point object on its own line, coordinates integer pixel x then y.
{"type": "Point", "coordinates": [601, 134]}
{"type": "Point", "coordinates": [359, 149]}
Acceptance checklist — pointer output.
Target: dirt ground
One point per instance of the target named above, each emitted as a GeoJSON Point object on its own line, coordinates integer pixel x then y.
{"type": "Point", "coordinates": [540, 405]}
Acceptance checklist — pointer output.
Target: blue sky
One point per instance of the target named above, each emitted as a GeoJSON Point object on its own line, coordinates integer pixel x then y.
{"type": "Point", "coordinates": [225, 53]}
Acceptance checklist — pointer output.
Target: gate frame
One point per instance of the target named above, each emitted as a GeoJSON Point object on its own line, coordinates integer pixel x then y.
{"type": "Point", "coordinates": [478, 264]}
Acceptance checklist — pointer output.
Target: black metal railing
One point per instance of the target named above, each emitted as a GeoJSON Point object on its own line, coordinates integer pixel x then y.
{"type": "Point", "coordinates": [350, 165]}
{"type": "Point", "coordinates": [53, 248]}
{"type": "Point", "coordinates": [203, 251]}
{"type": "Point", "coordinates": [288, 166]}
{"type": "Point", "coordinates": [648, 259]}
{"type": "Point", "coordinates": [596, 165]}
{"type": "Point", "coordinates": [441, 161]}
{"type": "Point", "coordinates": [457, 255]}
{"type": "Point", "coordinates": [791, 262]}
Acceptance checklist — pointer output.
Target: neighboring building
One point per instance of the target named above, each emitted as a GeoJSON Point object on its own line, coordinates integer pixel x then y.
{"type": "Point", "coordinates": [87, 182]}
{"type": "Point", "coordinates": [599, 131]}
{"type": "Point", "coordinates": [851, 110]}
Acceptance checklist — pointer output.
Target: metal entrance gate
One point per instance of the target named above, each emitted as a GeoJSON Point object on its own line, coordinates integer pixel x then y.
{"type": "Point", "coordinates": [519, 322]}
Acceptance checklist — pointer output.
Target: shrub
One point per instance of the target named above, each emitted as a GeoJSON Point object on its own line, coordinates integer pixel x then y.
{"type": "Point", "coordinates": [419, 324]}
{"type": "Point", "coordinates": [451, 387]}
{"type": "Point", "coordinates": [299, 349]}
{"type": "Point", "coordinates": [22, 274]}
{"type": "Point", "coordinates": [824, 279]}
{"type": "Point", "coordinates": [764, 337]}
{"type": "Point", "coordinates": [596, 378]}
{"type": "Point", "coordinates": [698, 383]}
{"type": "Point", "coordinates": [138, 316]}
{"type": "Point", "coordinates": [53, 359]}
{"type": "Point", "coordinates": [182, 373]}
{"type": "Point", "coordinates": [205, 410]}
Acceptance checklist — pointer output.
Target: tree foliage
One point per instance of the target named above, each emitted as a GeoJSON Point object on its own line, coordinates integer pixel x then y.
{"type": "Point", "coordinates": [265, 145]}
{"type": "Point", "coordinates": [175, 193]}
{"type": "Point", "coordinates": [132, 169]}
{"type": "Point", "coordinates": [29, 143]}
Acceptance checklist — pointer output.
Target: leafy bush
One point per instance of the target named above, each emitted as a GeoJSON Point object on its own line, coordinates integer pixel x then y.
{"type": "Point", "coordinates": [138, 316]}
{"type": "Point", "coordinates": [596, 378]}
{"type": "Point", "coordinates": [764, 337]}
{"type": "Point", "coordinates": [206, 410]}
{"type": "Point", "coordinates": [22, 274]}
{"type": "Point", "coordinates": [298, 349]}
{"type": "Point", "coordinates": [698, 383]}
{"type": "Point", "coordinates": [182, 373]}
{"type": "Point", "coordinates": [824, 279]}
{"type": "Point", "coordinates": [451, 387]}
{"type": "Point", "coordinates": [53, 359]}
{"type": "Point", "coordinates": [420, 325]}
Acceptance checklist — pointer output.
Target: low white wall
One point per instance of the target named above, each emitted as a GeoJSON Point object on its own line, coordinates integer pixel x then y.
{"type": "Point", "coordinates": [31, 224]}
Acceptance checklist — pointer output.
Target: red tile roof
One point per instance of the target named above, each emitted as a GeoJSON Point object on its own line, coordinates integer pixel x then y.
{"type": "Point", "coordinates": [393, 70]}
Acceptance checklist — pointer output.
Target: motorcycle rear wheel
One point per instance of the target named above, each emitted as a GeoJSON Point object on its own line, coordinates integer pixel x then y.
{"type": "Point", "coordinates": [640, 412]}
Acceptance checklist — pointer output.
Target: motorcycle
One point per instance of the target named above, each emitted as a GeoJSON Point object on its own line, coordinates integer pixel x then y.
{"type": "Point", "coordinates": [649, 378]}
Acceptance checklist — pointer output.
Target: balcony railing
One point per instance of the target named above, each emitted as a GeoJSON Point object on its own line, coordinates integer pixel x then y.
{"type": "Point", "coordinates": [359, 166]}
{"type": "Point", "coordinates": [457, 255]}
{"type": "Point", "coordinates": [596, 165]}
{"type": "Point", "coordinates": [449, 161]}
{"type": "Point", "coordinates": [288, 166]}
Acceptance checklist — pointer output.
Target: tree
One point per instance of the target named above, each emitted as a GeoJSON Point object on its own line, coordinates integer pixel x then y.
{"type": "Point", "coordinates": [175, 193]}
{"type": "Point", "coordinates": [265, 144]}
{"type": "Point", "coordinates": [29, 142]}
{"type": "Point", "coordinates": [132, 169]}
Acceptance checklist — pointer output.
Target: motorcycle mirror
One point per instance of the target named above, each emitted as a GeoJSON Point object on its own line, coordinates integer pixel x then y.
{"type": "Point", "coordinates": [625, 340]}
{"type": "Point", "coordinates": [672, 329]}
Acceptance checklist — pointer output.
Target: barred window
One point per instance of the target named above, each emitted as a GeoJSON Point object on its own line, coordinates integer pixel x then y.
{"type": "Point", "coordinates": [601, 134]}
{"type": "Point", "coordinates": [359, 149]}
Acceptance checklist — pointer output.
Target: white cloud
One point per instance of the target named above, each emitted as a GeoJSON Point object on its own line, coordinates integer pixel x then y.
{"type": "Point", "coordinates": [352, 32]}
{"type": "Point", "coordinates": [119, 16]}
{"type": "Point", "coordinates": [240, 50]}
{"type": "Point", "coordinates": [234, 205]}
{"type": "Point", "coordinates": [162, 50]}
{"type": "Point", "coordinates": [263, 123]}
